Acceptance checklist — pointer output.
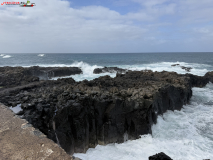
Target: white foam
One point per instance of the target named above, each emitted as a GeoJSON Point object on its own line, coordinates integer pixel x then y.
{"type": "Point", "coordinates": [87, 71]}
{"type": "Point", "coordinates": [185, 134]}
{"type": "Point", "coordinates": [16, 109]}
{"type": "Point", "coordinates": [41, 55]}
{"type": "Point", "coordinates": [197, 69]}
{"type": "Point", "coordinates": [6, 56]}
{"type": "Point", "coordinates": [1, 55]}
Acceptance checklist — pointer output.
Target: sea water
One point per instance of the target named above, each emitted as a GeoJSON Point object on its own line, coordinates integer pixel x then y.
{"type": "Point", "coordinates": [185, 134]}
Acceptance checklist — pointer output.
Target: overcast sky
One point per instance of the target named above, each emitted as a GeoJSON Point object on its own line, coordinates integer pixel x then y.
{"type": "Point", "coordinates": [107, 26]}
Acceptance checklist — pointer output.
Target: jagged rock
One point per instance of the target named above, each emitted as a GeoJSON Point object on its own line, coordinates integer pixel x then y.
{"type": "Point", "coordinates": [209, 75]}
{"type": "Point", "coordinates": [15, 76]}
{"type": "Point", "coordinates": [188, 69]}
{"type": "Point", "coordinates": [198, 81]}
{"type": "Point", "coordinates": [160, 156]}
{"type": "Point", "coordinates": [45, 73]}
{"type": "Point", "coordinates": [80, 115]}
{"type": "Point", "coordinates": [173, 65]}
{"type": "Point", "coordinates": [109, 69]}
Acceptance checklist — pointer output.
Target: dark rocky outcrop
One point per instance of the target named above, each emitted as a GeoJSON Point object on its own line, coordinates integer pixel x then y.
{"type": "Point", "coordinates": [188, 69]}
{"type": "Point", "coordinates": [10, 76]}
{"type": "Point", "coordinates": [198, 81]}
{"type": "Point", "coordinates": [109, 69]}
{"type": "Point", "coordinates": [173, 65]}
{"type": "Point", "coordinates": [80, 115]}
{"type": "Point", "coordinates": [16, 76]}
{"type": "Point", "coordinates": [160, 156]}
{"type": "Point", "coordinates": [209, 75]}
{"type": "Point", "coordinates": [45, 73]}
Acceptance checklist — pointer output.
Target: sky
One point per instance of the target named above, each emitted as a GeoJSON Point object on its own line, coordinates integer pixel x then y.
{"type": "Point", "coordinates": [107, 26]}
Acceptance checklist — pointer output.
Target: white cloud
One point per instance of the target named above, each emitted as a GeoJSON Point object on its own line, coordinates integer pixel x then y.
{"type": "Point", "coordinates": [55, 26]}
{"type": "Point", "coordinates": [195, 11]}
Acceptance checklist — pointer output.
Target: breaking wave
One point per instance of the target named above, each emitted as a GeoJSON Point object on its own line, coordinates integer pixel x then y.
{"type": "Point", "coordinates": [87, 71]}
{"type": "Point", "coordinates": [41, 55]}
{"type": "Point", "coordinates": [197, 69]}
{"type": "Point", "coordinates": [6, 56]}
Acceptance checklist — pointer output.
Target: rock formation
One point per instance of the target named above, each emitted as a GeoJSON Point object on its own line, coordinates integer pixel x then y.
{"type": "Point", "coordinates": [160, 156]}
{"type": "Point", "coordinates": [45, 73]}
{"type": "Point", "coordinates": [109, 69]}
{"type": "Point", "coordinates": [173, 65]}
{"type": "Point", "coordinates": [14, 76]}
{"type": "Point", "coordinates": [80, 115]}
{"type": "Point", "coordinates": [209, 75]}
{"type": "Point", "coordinates": [188, 69]}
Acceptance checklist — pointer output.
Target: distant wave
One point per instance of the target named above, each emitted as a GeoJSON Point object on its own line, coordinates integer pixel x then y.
{"type": "Point", "coordinates": [41, 55]}
{"type": "Point", "coordinates": [6, 56]}
{"type": "Point", "coordinates": [1, 55]}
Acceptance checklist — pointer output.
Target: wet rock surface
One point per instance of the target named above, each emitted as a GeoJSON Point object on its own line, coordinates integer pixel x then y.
{"type": "Point", "coordinates": [80, 115]}
{"type": "Point", "coordinates": [188, 69]}
{"type": "Point", "coordinates": [110, 70]}
{"type": "Point", "coordinates": [160, 156]}
{"type": "Point", "coordinates": [16, 76]}
{"type": "Point", "coordinates": [209, 75]}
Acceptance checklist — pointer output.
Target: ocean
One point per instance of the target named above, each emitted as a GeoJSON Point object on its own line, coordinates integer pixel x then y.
{"type": "Point", "coordinates": [185, 134]}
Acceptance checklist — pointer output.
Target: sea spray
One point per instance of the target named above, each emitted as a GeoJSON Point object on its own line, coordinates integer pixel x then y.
{"type": "Point", "coordinates": [16, 109]}
{"type": "Point", "coordinates": [56, 134]}
{"type": "Point", "coordinates": [87, 72]}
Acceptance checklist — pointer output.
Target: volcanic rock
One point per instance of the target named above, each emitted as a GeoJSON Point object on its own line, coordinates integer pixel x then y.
{"type": "Point", "coordinates": [209, 75]}
{"type": "Point", "coordinates": [173, 65]}
{"type": "Point", "coordinates": [16, 76]}
{"type": "Point", "coordinates": [81, 115]}
{"type": "Point", "coordinates": [160, 156]}
{"type": "Point", "coordinates": [45, 73]}
{"type": "Point", "coordinates": [109, 69]}
{"type": "Point", "coordinates": [188, 69]}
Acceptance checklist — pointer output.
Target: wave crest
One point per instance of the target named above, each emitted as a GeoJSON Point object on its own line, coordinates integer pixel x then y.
{"type": "Point", "coordinates": [6, 56]}
{"type": "Point", "coordinates": [41, 55]}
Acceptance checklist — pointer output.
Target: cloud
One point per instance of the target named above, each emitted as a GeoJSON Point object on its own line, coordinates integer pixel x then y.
{"type": "Point", "coordinates": [195, 11]}
{"type": "Point", "coordinates": [56, 26]}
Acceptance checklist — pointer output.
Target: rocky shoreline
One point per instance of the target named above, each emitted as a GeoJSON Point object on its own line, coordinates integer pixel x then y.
{"type": "Point", "coordinates": [81, 115]}
{"type": "Point", "coordinates": [16, 76]}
